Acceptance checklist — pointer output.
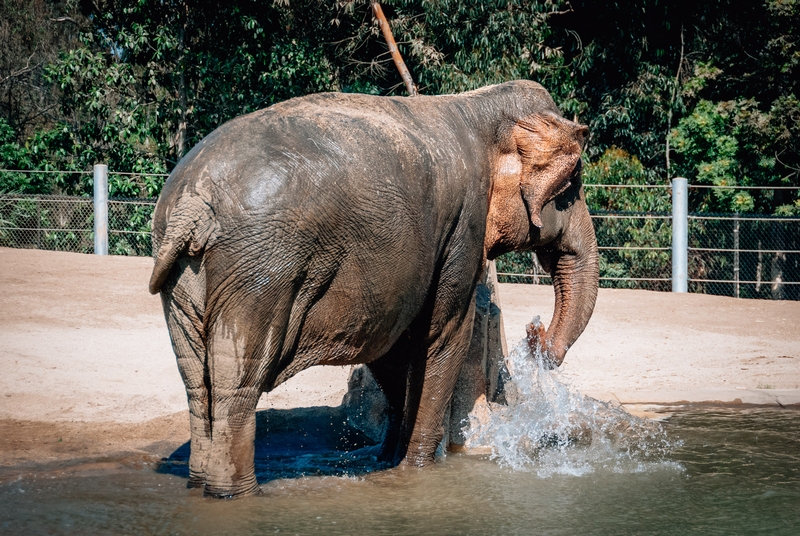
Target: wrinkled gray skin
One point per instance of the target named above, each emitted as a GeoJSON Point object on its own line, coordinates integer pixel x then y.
{"type": "Point", "coordinates": [339, 229]}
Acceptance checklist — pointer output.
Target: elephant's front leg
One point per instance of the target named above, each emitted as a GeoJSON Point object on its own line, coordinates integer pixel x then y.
{"type": "Point", "coordinates": [391, 375]}
{"type": "Point", "coordinates": [445, 358]}
{"type": "Point", "coordinates": [400, 374]}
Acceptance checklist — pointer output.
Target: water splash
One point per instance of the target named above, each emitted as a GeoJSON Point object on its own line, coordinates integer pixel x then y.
{"type": "Point", "coordinates": [549, 428]}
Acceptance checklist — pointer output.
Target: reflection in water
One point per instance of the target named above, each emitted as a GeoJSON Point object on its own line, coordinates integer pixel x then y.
{"type": "Point", "coordinates": [549, 428]}
{"type": "Point", "coordinates": [298, 443]}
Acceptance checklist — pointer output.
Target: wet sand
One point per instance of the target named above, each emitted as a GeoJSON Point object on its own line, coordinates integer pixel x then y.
{"type": "Point", "coordinates": [87, 367]}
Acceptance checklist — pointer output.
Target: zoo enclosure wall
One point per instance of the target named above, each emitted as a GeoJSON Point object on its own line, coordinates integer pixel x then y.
{"type": "Point", "coordinates": [746, 256]}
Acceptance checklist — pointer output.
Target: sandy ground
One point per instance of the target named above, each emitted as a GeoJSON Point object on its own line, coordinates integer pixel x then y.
{"type": "Point", "coordinates": [86, 366]}
{"type": "Point", "coordinates": [663, 348]}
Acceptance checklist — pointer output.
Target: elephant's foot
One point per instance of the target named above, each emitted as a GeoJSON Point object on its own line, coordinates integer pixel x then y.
{"type": "Point", "coordinates": [241, 488]}
{"type": "Point", "coordinates": [418, 459]}
{"type": "Point", "coordinates": [196, 481]}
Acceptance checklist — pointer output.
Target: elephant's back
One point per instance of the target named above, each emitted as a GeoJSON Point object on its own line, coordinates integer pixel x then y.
{"type": "Point", "coordinates": [325, 156]}
{"type": "Point", "coordinates": [368, 184]}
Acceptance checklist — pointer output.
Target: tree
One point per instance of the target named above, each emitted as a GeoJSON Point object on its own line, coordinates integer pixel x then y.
{"type": "Point", "coordinates": [31, 35]}
{"type": "Point", "coordinates": [137, 83]}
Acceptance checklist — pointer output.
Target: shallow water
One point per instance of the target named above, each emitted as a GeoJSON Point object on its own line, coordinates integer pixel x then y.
{"type": "Point", "coordinates": [560, 464]}
{"type": "Point", "coordinates": [736, 472]}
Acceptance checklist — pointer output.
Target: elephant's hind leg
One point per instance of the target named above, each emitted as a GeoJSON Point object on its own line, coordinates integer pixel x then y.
{"type": "Point", "coordinates": [245, 340]}
{"type": "Point", "coordinates": [236, 384]}
{"type": "Point", "coordinates": [183, 298]}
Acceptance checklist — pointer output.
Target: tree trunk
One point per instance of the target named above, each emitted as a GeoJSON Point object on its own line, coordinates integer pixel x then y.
{"type": "Point", "coordinates": [180, 137]}
{"type": "Point", "coordinates": [778, 261]}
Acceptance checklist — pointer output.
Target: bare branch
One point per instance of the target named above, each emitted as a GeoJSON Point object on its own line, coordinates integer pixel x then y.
{"type": "Point", "coordinates": [28, 68]}
{"type": "Point", "coordinates": [784, 164]}
{"type": "Point", "coordinates": [398, 59]}
{"type": "Point", "coordinates": [65, 19]}
{"type": "Point", "coordinates": [566, 11]}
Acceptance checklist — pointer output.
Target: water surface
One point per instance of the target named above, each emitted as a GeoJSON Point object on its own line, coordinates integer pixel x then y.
{"type": "Point", "coordinates": [736, 472]}
{"type": "Point", "coordinates": [560, 464]}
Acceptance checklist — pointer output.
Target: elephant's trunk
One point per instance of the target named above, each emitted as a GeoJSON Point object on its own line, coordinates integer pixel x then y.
{"type": "Point", "coordinates": [574, 267]}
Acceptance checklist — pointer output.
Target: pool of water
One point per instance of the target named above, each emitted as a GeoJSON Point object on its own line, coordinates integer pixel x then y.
{"type": "Point", "coordinates": [559, 463]}
{"type": "Point", "coordinates": [730, 472]}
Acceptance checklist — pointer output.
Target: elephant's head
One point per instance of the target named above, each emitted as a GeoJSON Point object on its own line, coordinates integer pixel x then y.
{"type": "Point", "coordinates": [537, 203]}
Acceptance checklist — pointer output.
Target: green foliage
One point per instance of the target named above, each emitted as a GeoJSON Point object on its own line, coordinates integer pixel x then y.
{"type": "Point", "coordinates": [707, 142]}
{"type": "Point", "coordinates": [136, 83]}
{"type": "Point", "coordinates": [733, 143]}
{"type": "Point", "coordinates": [298, 68]}
{"type": "Point", "coordinates": [454, 46]}
{"type": "Point", "coordinates": [147, 79]}
{"type": "Point", "coordinates": [632, 234]}
{"type": "Point", "coordinates": [107, 118]}
{"type": "Point", "coordinates": [130, 226]}
{"type": "Point", "coordinates": [616, 167]}
{"type": "Point", "coordinates": [12, 156]}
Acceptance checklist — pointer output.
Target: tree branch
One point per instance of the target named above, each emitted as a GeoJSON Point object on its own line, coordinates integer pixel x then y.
{"type": "Point", "coordinates": [28, 68]}
{"type": "Point", "coordinates": [398, 59]}
{"type": "Point", "coordinates": [65, 19]}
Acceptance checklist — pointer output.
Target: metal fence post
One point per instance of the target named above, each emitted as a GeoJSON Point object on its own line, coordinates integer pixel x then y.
{"type": "Point", "coordinates": [100, 209]}
{"type": "Point", "coordinates": [680, 234]}
{"type": "Point", "coordinates": [736, 256]}
{"type": "Point", "coordinates": [38, 223]}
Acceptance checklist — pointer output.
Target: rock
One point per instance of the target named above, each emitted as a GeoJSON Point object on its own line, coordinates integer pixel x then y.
{"type": "Point", "coordinates": [365, 404]}
{"type": "Point", "coordinates": [484, 375]}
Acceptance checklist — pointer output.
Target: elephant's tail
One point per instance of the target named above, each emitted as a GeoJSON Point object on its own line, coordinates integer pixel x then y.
{"type": "Point", "coordinates": [191, 227]}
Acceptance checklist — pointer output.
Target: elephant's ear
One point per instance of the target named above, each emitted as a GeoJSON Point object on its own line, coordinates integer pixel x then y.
{"type": "Point", "coordinates": [550, 148]}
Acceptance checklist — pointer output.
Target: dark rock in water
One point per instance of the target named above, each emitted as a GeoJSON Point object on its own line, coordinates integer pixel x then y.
{"type": "Point", "coordinates": [365, 405]}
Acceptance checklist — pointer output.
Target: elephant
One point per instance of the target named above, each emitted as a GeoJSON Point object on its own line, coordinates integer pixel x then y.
{"type": "Point", "coordinates": [338, 229]}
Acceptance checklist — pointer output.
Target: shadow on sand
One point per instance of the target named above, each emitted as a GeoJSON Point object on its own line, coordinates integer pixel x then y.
{"type": "Point", "coordinates": [294, 443]}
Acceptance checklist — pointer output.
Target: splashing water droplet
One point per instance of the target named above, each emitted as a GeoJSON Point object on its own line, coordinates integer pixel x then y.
{"type": "Point", "coordinates": [549, 428]}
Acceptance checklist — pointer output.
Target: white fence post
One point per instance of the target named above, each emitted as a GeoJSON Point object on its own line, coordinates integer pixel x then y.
{"type": "Point", "coordinates": [680, 234]}
{"type": "Point", "coordinates": [736, 270]}
{"type": "Point", "coordinates": [100, 209]}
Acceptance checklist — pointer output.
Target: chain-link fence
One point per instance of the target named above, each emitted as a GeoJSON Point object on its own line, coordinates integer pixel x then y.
{"type": "Point", "coordinates": [130, 226]}
{"type": "Point", "coordinates": [65, 223]}
{"type": "Point", "coordinates": [748, 256]}
{"type": "Point", "coordinates": [50, 222]}
{"type": "Point", "coordinates": [635, 252]}
{"type": "Point", "coordinates": [730, 255]}
{"type": "Point", "coordinates": [744, 256]}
